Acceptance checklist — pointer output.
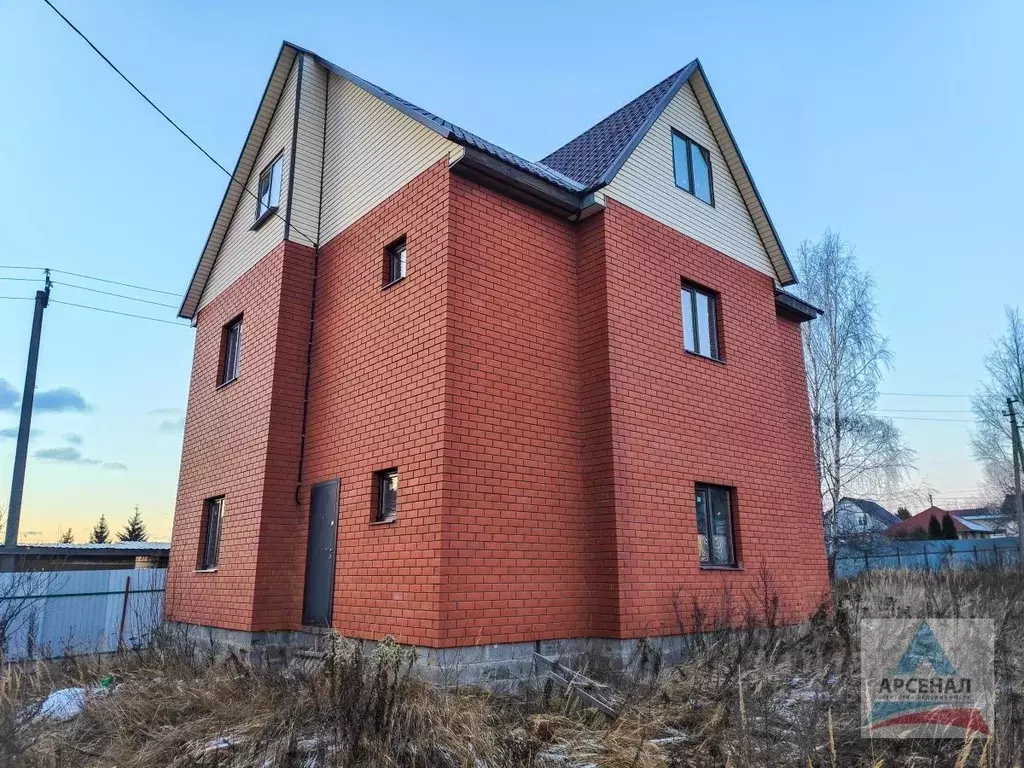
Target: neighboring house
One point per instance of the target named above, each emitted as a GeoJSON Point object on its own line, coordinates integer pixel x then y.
{"type": "Point", "coordinates": [861, 516]}
{"type": "Point", "coordinates": [1001, 520]}
{"type": "Point", "coordinates": [88, 557]}
{"type": "Point", "coordinates": [917, 526]}
{"type": "Point", "coordinates": [447, 394]}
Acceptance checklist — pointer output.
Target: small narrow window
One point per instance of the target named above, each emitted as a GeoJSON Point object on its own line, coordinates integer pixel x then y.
{"type": "Point", "coordinates": [232, 351]}
{"type": "Point", "coordinates": [714, 526]}
{"type": "Point", "coordinates": [387, 495]}
{"type": "Point", "coordinates": [395, 258]}
{"type": "Point", "coordinates": [692, 168]}
{"type": "Point", "coordinates": [268, 194]}
{"type": "Point", "coordinates": [700, 322]}
{"type": "Point", "coordinates": [209, 552]}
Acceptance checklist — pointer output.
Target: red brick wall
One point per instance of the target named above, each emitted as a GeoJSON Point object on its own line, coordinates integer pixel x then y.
{"type": "Point", "coordinates": [528, 379]}
{"type": "Point", "coordinates": [601, 547]}
{"type": "Point", "coordinates": [239, 442]}
{"type": "Point", "coordinates": [679, 419]}
{"type": "Point", "coordinates": [377, 401]}
{"type": "Point", "coordinates": [514, 528]}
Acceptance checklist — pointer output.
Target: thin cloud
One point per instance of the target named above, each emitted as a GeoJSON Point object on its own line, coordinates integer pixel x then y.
{"type": "Point", "coordinates": [166, 412]}
{"type": "Point", "coordinates": [68, 454]}
{"type": "Point", "coordinates": [9, 396]}
{"type": "Point", "coordinates": [65, 455]}
{"type": "Point", "coordinates": [60, 400]}
{"type": "Point", "coordinates": [171, 426]}
{"type": "Point", "coordinates": [73, 438]}
{"type": "Point", "coordinates": [11, 433]}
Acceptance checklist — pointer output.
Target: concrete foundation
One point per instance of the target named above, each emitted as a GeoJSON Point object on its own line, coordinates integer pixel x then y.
{"type": "Point", "coordinates": [499, 667]}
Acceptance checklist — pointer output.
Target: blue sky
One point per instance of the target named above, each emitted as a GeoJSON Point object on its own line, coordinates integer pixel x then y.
{"type": "Point", "coordinates": [896, 124]}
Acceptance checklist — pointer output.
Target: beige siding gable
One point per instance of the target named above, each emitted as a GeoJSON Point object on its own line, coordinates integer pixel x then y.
{"type": "Point", "coordinates": [242, 247]}
{"type": "Point", "coordinates": [371, 151]}
{"type": "Point", "coordinates": [646, 183]}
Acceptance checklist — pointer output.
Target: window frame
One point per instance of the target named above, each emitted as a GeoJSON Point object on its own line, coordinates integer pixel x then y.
{"type": "Point", "coordinates": [390, 251]}
{"type": "Point", "coordinates": [710, 490]}
{"type": "Point", "coordinates": [273, 203]}
{"type": "Point", "coordinates": [229, 360]}
{"type": "Point", "coordinates": [380, 477]}
{"type": "Point", "coordinates": [706, 154]}
{"type": "Point", "coordinates": [690, 307]}
{"type": "Point", "coordinates": [209, 553]}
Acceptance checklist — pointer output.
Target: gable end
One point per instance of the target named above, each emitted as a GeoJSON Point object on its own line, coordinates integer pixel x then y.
{"type": "Point", "coordinates": [239, 178]}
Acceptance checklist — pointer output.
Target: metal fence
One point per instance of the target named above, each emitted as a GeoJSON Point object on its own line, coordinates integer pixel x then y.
{"type": "Point", "coordinates": [48, 614]}
{"type": "Point", "coordinates": [879, 553]}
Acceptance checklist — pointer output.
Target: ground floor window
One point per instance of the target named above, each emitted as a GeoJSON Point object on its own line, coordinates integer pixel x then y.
{"type": "Point", "coordinates": [209, 547]}
{"type": "Point", "coordinates": [714, 525]}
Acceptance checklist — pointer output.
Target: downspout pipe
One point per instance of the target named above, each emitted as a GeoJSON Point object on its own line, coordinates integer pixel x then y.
{"type": "Point", "coordinates": [312, 301]}
{"type": "Point", "coordinates": [309, 370]}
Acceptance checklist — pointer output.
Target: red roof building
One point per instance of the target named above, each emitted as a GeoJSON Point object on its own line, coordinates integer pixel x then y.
{"type": "Point", "coordinates": [917, 526]}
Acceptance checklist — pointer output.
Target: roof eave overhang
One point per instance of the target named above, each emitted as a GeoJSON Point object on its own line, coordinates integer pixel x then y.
{"type": "Point", "coordinates": [503, 177]}
{"type": "Point", "coordinates": [236, 185]}
{"type": "Point", "coordinates": [796, 308]}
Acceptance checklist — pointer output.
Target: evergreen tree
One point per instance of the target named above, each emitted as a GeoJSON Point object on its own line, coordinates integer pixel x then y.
{"type": "Point", "coordinates": [948, 528]}
{"type": "Point", "coordinates": [67, 537]}
{"type": "Point", "coordinates": [903, 513]}
{"type": "Point", "coordinates": [134, 529]}
{"type": "Point", "coordinates": [934, 528]}
{"type": "Point", "coordinates": [101, 533]}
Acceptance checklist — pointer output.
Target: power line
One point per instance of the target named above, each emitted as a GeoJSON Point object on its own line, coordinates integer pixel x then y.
{"type": "Point", "coordinates": [115, 295]}
{"type": "Point", "coordinates": [115, 282]}
{"type": "Point", "coordinates": [8, 266]}
{"type": "Point", "coordinates": [925, 418]}
{"type": "Point", "coordinates": [920, 410]}
{"type": "Point", "coordinates": [165, 116]}
{"type": "Point", "coordinates": [919, 394]}
{"type": "Point", "coordinates": [97, 279]}
{"type": "Point", "coordinates": [122, 314]}
{"type": "Point", "coordinates": [17, 298]}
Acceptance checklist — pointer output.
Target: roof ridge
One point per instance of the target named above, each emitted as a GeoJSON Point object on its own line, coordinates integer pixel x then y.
{"type": "Point", "coordinates": [450, 130]}
{"type": "Point", "coordinates": [596, 154]}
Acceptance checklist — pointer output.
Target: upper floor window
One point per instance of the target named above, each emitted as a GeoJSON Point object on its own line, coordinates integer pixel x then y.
{"type": "Point", "coordinates": [714, 526]}
{"type": "Point", "coordinates": [232, 350]}
{"type": "Point", "coordinates": [268, 193]}
{"type": "Point", "coordinates": [692, 168]}
{"type": "Point", "coordinates": [700, 322]}
{"type": "Point", "coordinates": [395, 262]}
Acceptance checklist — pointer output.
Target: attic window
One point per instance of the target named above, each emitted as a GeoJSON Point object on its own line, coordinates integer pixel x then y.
{"type": "Point", "coordinates": [268, 193]}
{"type": "Point", "coordinates": [692, 164]}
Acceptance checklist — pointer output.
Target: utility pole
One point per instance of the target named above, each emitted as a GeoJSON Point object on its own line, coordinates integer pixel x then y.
{"type": "Point", "coordinates": [1018, 455]}
{"type": "Point", "coordinates": [25, 426]}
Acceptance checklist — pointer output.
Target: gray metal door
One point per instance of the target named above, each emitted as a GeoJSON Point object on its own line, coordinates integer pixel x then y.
{"type": "Point", "coordinates": [320, 548]}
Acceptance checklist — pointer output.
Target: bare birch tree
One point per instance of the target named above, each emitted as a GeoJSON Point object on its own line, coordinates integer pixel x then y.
{"type": "Point", "coordinates": [845, 355]}
{"type": "Point", "coordinates": [991, 438]}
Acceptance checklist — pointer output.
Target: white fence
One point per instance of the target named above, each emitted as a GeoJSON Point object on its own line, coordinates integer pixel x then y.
{"type": "Point", "coordinates": [65, 613]}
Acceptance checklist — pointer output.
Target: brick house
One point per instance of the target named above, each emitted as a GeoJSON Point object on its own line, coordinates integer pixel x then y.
{"type": "Point", "coordinates": [447, 394]}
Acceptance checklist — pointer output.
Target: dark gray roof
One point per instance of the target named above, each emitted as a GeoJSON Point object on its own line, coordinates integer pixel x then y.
{"type": "Point", "coordinates": [450, 130]}
{"type": "Point", "coordinates": [114, 548]}
{"type": "Point", "coordinates": [875, 510]}
{"type": "Point", "coordinates": [596, 154]}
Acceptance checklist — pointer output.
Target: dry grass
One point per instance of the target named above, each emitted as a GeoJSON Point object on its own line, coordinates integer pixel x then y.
{"type": "Point", "coordinates": [763, 696]}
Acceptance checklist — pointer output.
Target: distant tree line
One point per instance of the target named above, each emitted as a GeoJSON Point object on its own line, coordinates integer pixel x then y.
{"type": "Point", "coordinates": [134, 530]}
